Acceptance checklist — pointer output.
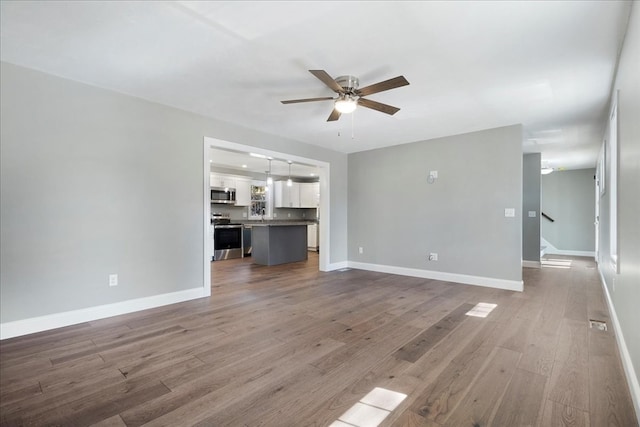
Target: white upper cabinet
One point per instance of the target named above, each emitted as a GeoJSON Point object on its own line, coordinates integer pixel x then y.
{"type": "Point", "coordinates": [309, 194]}
{"type": "Point", "coordinates": [285, 196]}
{"type": "Point", "coordinates": [243, 191]}
{"type": "Point", "coordinates": [223, 181]}
{"type": "Point", "coordinates": [299, 195]}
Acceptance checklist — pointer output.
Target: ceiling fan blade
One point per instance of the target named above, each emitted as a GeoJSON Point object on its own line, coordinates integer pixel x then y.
{"type": "Point", "coordinates": [294, 101]}
{"type": "Point", "coordinates": [335, 115]}
{"type": "Point", "coordinates": [328, 80]}
{"type": "Point", "coordinates": [378, 106]}
{"type": "Point", "coordinates": [382, 86]}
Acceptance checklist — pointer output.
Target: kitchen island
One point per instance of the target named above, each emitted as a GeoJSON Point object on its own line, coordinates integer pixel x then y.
{"type": "Point", "coordinates": [279, 243]}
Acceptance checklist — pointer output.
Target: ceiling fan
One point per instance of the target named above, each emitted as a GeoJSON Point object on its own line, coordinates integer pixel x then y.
{"type": "Point", "coordinates": [349, 96]}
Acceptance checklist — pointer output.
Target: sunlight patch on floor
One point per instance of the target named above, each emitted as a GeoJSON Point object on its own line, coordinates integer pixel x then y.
{"type": "Point", "coordinates": [555, 263]}
{"type": "Point", "coordinates": [482, 309]}
{"type": "Point", "coordinates": [371, 410]}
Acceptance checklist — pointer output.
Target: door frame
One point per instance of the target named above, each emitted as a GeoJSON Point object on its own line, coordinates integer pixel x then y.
{"type": "Point", "coordinates": [325, 197]}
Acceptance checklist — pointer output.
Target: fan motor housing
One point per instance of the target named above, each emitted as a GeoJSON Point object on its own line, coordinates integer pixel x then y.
{"type": "Point", "coordinates": [349, 83]}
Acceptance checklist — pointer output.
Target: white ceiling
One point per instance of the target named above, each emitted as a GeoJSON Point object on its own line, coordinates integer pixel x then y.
{"type": "Point", "coordinates": [243, 163]}
{"type": "Point", "coordinates": [471, 65]}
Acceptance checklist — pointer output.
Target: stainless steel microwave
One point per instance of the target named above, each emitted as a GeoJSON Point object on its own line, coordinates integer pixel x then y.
{"type": "Point", "coordinates": [223, 195]}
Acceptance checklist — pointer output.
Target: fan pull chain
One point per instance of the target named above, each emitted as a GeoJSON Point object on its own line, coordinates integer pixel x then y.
{"type": "Point", "coordinates": [353, 132]}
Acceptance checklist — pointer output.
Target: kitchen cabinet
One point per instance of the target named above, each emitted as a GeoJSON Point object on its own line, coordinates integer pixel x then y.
{"type": "Point", "coordinates": [274, 244]}
{"type": "Point", "coordinates": [285, 196]}
{"type": "Point", "coordinates": [309, 194]}
{"type": "Point", "coordinates": [224, 181]}
{"type": "Point", "coordinates": [312, 237]}
{"type": "Point", "coordinates": [299, 195]}
{"type": "Point", "coordinates": [243, 191]}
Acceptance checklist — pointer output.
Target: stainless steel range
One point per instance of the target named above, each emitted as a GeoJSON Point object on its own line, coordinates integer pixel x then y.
{"type": "Point", "coordinates": [227, 238]}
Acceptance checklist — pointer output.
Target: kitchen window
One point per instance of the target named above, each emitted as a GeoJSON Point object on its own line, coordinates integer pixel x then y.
{"type": "Point", "coordinates": [261, 200]}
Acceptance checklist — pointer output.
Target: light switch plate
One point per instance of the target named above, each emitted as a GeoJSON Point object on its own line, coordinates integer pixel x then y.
{"type": "Point", "coordinates": [532, 214]}
{"type": "Point", "coordinates": [509, 212]}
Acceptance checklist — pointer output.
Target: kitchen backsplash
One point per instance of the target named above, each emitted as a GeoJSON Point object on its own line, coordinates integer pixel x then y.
{"type": "Point", "coordinates": [236, 212]}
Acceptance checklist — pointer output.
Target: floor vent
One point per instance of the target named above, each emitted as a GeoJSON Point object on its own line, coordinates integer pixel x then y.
{"type": "Point", "coordinates": [598, 324]}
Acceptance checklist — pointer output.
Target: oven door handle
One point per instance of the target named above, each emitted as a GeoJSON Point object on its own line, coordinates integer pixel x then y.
{"type": "Point", "coordinates": [227, 226]}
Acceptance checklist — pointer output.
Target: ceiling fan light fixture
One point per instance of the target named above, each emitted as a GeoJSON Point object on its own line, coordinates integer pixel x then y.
{"type": "Point", "coordinates": [346, 104]}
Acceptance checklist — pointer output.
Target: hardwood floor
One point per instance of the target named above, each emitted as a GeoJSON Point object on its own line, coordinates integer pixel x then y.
{"type": "Point", "coordinates": [290, 346]}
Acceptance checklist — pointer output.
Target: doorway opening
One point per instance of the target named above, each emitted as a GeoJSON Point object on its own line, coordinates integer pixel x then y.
{"type": "Point", "coordinates": [323, 173]}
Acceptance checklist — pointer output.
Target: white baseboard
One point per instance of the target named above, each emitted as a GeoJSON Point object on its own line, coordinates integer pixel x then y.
{"type": "Point", "coordinates": [490, 282]}
{"type": "Point", "coordinates": [627, 364]}
{"type": "Point", "coordinates": [337, 266]}
{"type": "Point", "coordinates": [531, 264]}
{"type": "Point", "coordinates": [554, 251]}
{"type": "Point", "coordinates": [58, 320]}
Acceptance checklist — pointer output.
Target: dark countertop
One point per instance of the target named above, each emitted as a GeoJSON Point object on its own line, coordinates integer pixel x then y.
{"type": "Point", "coordinates": [276, 222]}
{"type": "Point", "coordinates": [280, 224]}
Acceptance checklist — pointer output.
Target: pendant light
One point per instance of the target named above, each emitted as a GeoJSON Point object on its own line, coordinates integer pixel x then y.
{"type": "Point", "coordinates": [289, 182]}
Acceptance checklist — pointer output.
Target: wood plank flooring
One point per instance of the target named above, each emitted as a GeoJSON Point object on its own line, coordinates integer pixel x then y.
{"type": "Point", "coordinates": [290, 346]}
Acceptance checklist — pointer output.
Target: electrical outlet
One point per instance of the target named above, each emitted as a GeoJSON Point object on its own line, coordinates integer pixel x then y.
{"type": "Point", "coordinates": [433, 256]}
{"type": "Point", "coordinates": [244, 214]}
{"type": "Point", "coordinates": [360, 250]}
{"type": "Point", "coordinates": [288, 215]}
{"type": "Point", "coordinates": [113, 280]}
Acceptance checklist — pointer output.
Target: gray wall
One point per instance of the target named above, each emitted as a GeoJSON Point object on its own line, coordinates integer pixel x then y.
{"type": "Point", "coordinates": [531, 202]}
{"type": "Point", "coordinates": [569, 198]}
{"type": "Point", "coordinates": [626, 295]}
{"type": "Point", "coordinates": [94, 182]}
{"type": "Point", "coordinates": [398, 218]}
